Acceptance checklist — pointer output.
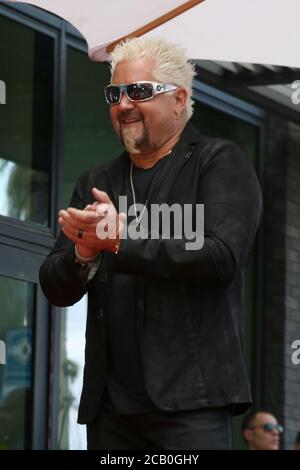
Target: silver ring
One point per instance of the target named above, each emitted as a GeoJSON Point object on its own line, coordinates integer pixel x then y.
{"type": "Point", "coordinates": [80, 233]}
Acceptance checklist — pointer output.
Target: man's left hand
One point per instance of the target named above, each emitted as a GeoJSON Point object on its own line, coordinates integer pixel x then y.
{"type": "Point", "coordinates": [82, 226]}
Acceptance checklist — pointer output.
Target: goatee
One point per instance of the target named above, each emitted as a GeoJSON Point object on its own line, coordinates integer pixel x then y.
{"type": "Point", "coordinates": [135, 141]}
{"type": "Point", "coordinates": [130, 142]}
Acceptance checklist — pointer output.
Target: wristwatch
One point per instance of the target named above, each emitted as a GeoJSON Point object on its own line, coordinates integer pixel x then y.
{"type": "Point", "coordinates": [87, 268]}
{"type": "Point", "coordinates": [83, 268]}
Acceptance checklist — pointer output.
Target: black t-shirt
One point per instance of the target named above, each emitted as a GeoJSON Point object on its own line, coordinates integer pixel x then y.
{"type": "Point", "coordinates": [125, 390]}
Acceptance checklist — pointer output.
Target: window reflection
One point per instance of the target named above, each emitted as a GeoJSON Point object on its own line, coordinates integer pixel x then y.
{"type": "Point", "coordinates": [24, 196]}
{"type": "Point", "coordinates": [71, 435]}
{"type": "Point", "coordinates": [26, 122]}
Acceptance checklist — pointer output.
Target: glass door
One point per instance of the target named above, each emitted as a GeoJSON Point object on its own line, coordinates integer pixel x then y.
{"type": "Point", "coordinates": [23, 365]}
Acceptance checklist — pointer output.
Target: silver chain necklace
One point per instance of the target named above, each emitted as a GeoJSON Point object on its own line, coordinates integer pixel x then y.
{"type": "Point", "coordinates": [137, 219]}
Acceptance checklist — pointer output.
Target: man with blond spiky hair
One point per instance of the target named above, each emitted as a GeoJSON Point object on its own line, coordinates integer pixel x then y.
{"type": "Point", "coordinates": [164, 352]}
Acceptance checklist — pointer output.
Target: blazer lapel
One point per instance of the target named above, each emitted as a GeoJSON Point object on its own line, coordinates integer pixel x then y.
{"type": "Point", "coordinates": [181, 154]}
{"type": "Point", "coordinates": [160, 189]}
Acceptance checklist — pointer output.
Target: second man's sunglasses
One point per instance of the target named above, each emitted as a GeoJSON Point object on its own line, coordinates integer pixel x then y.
{"type": "Point", "coordinates": [268, 427]}
{"type": "Point", "coordinates": [136, 92]}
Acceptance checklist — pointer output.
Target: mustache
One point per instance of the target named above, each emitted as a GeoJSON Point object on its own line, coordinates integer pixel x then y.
{"type": "Point", "coordinates": [129, 115]}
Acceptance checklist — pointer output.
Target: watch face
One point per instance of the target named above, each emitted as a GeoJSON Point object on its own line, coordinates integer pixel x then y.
{"type": "Point", "coordinates": [81, 266]}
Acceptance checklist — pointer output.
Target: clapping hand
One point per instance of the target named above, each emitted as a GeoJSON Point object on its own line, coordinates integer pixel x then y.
{"type": "Point", "coordinates": [82, 226]}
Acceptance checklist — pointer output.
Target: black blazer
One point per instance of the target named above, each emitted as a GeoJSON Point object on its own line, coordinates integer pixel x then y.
{"type": "Point", "coordinates": [193, 302]}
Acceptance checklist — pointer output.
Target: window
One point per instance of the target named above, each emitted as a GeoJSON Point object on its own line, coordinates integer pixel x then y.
{"type": "Point", "coordinates": [26, 122]}
{"type": "Point", "coordinates": [16, 321]}
{"type": "Point", "coordinates": [89, 136]}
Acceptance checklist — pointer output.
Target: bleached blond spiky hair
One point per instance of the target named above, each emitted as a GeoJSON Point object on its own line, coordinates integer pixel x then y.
{"type": "Point", "coordinates": [172, 64]}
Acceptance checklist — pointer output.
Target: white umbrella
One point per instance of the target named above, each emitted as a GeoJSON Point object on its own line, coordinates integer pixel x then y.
{"type": "Point", "coordinates": [256, 31]}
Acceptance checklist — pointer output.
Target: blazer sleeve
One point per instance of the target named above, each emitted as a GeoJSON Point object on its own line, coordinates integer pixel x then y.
{"type": "Point", "coordinates": [230, 192]}
{"type": "Point", "coordinates": [60, 279]}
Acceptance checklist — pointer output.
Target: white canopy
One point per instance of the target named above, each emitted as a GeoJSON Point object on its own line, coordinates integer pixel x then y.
{"type": "Point", "coordinates": [254, 31]}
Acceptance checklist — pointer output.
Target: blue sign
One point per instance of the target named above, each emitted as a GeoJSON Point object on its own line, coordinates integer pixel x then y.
{"type": "Point", "coordinates": [17, 371]}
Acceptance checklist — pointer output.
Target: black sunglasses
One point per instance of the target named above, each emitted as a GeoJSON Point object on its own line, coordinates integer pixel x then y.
{"type": "Point", "coordinates": [136, 92]}
{"type": "Point", "coordinates": [268, 427]}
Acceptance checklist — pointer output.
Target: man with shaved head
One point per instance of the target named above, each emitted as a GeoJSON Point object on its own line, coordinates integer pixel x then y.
{"type": "Point", "coordinates": [261, 431]}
